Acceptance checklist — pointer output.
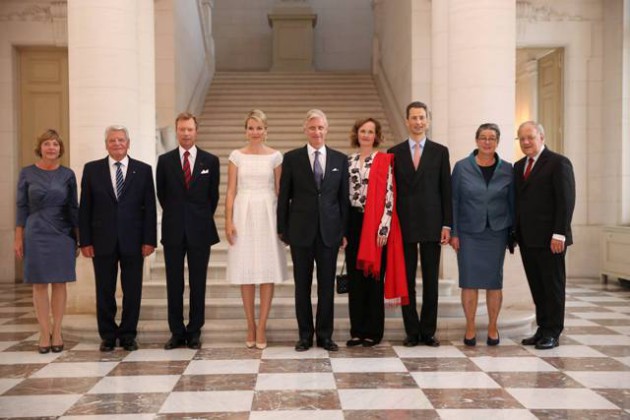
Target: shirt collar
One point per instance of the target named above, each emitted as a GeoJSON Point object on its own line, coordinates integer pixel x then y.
{"type": "Point", "coordinates": [539, 152]}
{"type": "Point", "coordinates": [192, 151]}
{"type": "Point", "coordinates": [412, 143]}
{"type": "Point", "coordinates": [124, 161]}
{"type": "Point", "coordinates": [311, 150]}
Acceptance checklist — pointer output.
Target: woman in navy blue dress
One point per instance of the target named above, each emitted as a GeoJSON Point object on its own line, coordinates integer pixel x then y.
{"type": "Point", "coordinates": [483, 207]}
{"type": "Point", "coordinates": [45, 235]}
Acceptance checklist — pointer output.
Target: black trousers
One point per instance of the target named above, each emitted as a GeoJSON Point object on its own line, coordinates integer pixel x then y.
{"type": "Point", "coordinates": [106, 275]}
{"type": "Point", "coordinates": [326, 261]}
{"type": "Point", "coordinates": [546, 276]}
{"type": "Point", "coordinates": [197, 258]}
{"type": "Point", "coordinates": [365, 293]}
{"type": "Point", "coordinates": [425, 325]}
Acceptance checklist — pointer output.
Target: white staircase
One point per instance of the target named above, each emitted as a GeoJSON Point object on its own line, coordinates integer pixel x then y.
{"type": "Point", "coordinates": [285, 98]}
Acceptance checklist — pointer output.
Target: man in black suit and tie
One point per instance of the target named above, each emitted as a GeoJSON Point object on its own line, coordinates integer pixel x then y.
{"type": "Point", "coordinates": [188, 190]}
{"type": "Point", "coordinates": [313, 205]}
{"type": "Point", "coordinates": [423, 180]}
{"type": "Point", "coordinates": [117, 226]}
{"type": "Point", "coordinates": [545, 199]}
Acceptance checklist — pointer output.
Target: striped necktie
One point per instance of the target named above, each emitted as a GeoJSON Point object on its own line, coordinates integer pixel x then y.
{"type": "Point", "coordinates": [318, 173]}
{"type": "Point", "coordinates": [186, 167]}
{"type": "Point", "coordinates": [120, 181]}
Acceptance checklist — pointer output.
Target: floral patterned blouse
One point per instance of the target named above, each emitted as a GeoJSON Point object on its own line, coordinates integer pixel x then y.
{"type": "Point", "coordinates": [359, 178]}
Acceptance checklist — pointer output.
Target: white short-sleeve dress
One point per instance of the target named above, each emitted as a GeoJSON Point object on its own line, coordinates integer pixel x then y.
{"type": "Point", "coordinates": [258, 256]}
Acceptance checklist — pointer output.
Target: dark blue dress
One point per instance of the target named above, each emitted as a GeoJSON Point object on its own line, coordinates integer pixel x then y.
{"type": "Point", "coordinates": [47, 208]}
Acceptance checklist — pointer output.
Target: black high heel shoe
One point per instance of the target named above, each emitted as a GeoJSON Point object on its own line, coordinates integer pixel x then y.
{"type": "Point", "coordinates": [493, 341]}
{"type": "Point", "coordinates": [44, 349]}
{"type": "Point", "coordinates": [470, 342]}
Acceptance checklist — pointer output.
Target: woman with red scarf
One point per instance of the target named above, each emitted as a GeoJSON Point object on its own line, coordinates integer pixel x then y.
{"type": "Point", "coordinates": [372, 223]}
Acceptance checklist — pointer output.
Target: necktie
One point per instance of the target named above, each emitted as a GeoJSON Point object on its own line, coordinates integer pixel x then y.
{"type": "Point", "coordinates": [318, 173]}
{"type": "Point", "coordinates": [186, 167]}
{"type": "Point", "coordinates": [416, 155]}
{"type": "Point", "coordinates": [528, 169]}
{"type": "Point", "coordinates": [120, 182]}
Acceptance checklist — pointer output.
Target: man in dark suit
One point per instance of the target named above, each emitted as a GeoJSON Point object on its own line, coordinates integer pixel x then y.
{"type": "Point", "coordinates": [188, 190]}
{"type": "Point", "coordinates": [545, 199]}
{"type": "Point", "coordinates": [423, 180]}
{"type": "Point", "coordinates": [313, 208]}
{"type": "Point", "coordinates": [117, 226]}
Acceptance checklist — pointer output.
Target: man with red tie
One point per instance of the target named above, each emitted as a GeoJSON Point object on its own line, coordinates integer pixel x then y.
{"type": "Point", "coordinates": [187, 183]}
{"type": "Point", "coordinates": [545, 199]}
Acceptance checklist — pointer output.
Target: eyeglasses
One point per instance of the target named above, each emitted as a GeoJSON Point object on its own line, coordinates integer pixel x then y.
{"type": "Point", "coordinates": [487, 139]}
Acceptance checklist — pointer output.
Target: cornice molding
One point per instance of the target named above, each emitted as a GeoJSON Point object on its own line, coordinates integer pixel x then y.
{"type": "Point", "coordinates": [528, 11]}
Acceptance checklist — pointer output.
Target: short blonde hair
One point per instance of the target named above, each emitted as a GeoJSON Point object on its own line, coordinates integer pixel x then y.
{"type": "Point", "coordinates": [49, 134]}
{"type": "Point", "coordinates": [257, 115]}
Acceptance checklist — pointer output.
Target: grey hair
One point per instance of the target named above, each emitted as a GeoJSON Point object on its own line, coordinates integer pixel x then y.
{"type": "Point", "coordinates": [116, 127]}
{"type": "Point", "coordinates": [315, 113]}
{"type": "Point", "coordinates": [538, 126]}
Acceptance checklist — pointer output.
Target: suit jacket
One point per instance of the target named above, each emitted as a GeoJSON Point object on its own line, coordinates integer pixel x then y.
{"type": "Point", "coordinates": [129, 221]}
{"type": "Point", "coordinates": [424, 202]}
{"type": "Point", "coordinates": [476, 204]}
{"type": "Point", "coordinates": [545, 202]}
{"type": "Point", "coordinates": [188, 214]}
{"type": "Point", "coordinates": [303, 209]}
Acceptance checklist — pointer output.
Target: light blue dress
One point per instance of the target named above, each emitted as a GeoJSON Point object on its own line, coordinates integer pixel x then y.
{"type": "Point", "coordinates": [47, 208]}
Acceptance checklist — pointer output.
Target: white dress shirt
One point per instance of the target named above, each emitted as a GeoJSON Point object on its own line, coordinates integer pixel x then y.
{"type": "Point", "coordinates": [112, 170]}
{"type": "Point", "coordinates": [322, 157]}
{"type": "Point", "coordinates": [191, 158]}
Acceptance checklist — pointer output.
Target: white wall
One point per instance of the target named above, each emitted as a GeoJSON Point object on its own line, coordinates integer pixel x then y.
{"type": "Point", "coordinates": [22, 23]}
{"type": "Point", "coordinates": [343, 34]}
{"type": "Point", "coordinates": [184, 58]}
{"type": "Point", "coordinates": [591, 110]}
{"type": "Point", "coordinates": [393, 58]}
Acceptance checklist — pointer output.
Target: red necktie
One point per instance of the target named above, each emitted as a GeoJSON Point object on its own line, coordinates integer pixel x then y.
{"type": "Point", "coordinates": [187, 174]}
{"type": "Point", "coordinates": [416, 156]}
{"type": "Point", "coordinates": [528, 170]}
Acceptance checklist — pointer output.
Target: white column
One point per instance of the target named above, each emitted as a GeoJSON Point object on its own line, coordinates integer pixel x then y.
{"type": "Point", "coordinates": [111, 71]}
{"type": "Point", "coordinates": [481, 72]}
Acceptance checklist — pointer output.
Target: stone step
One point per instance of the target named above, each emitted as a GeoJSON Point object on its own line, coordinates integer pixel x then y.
{"type": "Point", "coordinates": [513, 324]}
{"type": "Point", "coordinates": [155, 288]}
{"type": "Point", "coordinates": [284, 307]}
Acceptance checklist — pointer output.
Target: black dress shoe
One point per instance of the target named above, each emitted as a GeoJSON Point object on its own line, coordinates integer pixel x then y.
{"type": "Point", "coordinates": [57, 348]}
{"type": "Point", "coordinates": [129, 345]}
{"type": "Point", "coordinates": [303, 345]}
{"type": "Point", "coordinates": [107, 345]}
{"type": "Point", "coordinates": [430, 341]}
{"type": "Point", "coordinates": [194, 343]}
{"type": "Point", "coordinates": [353, 342]}
{"type": "Point", "coordinates": [531, 341]}
{"type": "Point", "coordinates": [470, 342]}
{"type": "Point", "coordinates": [547, 343]}
{"type": "Point", "coordinates": [174, 342]}
{"type": "Point", "coordinates": [328, 344]}
{"type": "Point", "coordinates": [368, 342]}
{"type": "Point", "coordinates": [410, 341]}
{"type": "Point", "coordinates": [43, 350]}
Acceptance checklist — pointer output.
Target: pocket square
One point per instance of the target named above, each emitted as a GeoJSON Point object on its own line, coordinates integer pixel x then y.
{"type": "Point", "coordinates": [205, 171]}
{"type": "Point", "coordinates": [335, 169]}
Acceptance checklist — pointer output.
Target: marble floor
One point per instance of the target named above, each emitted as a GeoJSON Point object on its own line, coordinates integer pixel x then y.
{"type": "Point", "coordinates": [587, 377]}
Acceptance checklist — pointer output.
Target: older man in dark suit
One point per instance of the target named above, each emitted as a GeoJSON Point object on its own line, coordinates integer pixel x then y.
{"type": "Point", "coordinates": [545, 199]}
{"type": "Point", "coordinates": [117, 226]}
{"type": "Point", "coordinates": [423, 179]}
{"type": "Point", "coordinates": [188, 190]}
{"type": "Point", "coordinates": [313, 208]}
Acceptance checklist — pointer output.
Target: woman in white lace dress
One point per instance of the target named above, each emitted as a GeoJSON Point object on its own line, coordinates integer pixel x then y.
{"type": "Point", "coordinates": [255, 254]}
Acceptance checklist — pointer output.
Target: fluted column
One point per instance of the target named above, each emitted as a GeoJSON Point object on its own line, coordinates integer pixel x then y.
{"type": "Point", "coordinates": [111, 71]}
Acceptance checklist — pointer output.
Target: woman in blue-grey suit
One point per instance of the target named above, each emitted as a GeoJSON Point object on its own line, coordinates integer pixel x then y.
{"type": "Point", "coordinates": [483, 202]}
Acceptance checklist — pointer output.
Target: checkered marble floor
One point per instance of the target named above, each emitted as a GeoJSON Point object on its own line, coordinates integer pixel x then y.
{"type": "Point", "coordinates": [587, 377]}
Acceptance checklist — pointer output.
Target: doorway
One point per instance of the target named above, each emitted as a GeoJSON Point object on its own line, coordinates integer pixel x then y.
{"type": "Point", "coordinates": [540, 93]}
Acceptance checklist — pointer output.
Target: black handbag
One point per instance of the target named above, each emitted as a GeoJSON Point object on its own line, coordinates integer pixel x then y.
{"type": "Point", "coordinates": [342, 280]}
